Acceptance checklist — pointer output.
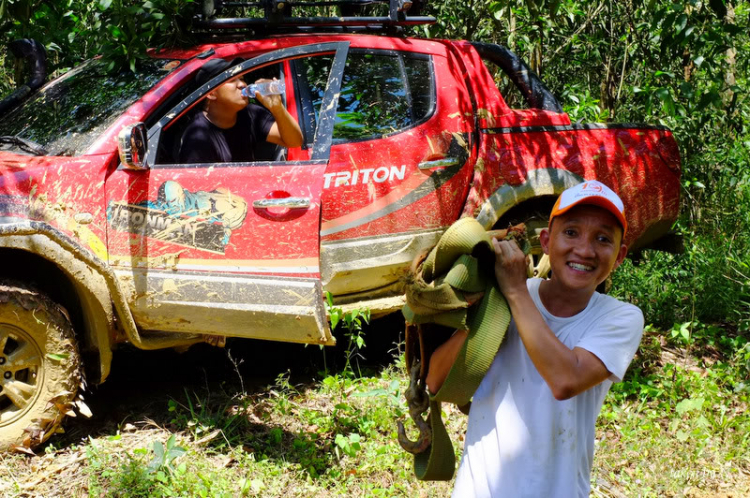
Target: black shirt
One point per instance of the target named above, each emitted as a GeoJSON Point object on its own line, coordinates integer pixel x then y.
{"type": "Point", "coordinates": [204, 142]}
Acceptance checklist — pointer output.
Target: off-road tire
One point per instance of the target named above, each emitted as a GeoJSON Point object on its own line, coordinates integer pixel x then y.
{"type": "Point", "coordinates": [40, 370]}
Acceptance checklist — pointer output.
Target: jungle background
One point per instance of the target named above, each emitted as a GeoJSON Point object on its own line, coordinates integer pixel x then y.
{"type": "Point", "coordinates": [678, 424]}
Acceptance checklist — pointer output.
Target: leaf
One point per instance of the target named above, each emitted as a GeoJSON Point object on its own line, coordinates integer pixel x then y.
{"type": "Point", "coordinates": [680, 23]}
{"type": "Point", "coordinates": [674, 424]}
{"type": "Point", "coordinates": [685, 330]}
{"type": "Point", "coordinates": [335, 318]}
{"type": "Point", "coordinates": [83, 409]}
{"type": "Point", "coordinates": [158, 459]}
{"type": "Point", "coordinates": [104, 4]}
{"type": "Point", "coordinates": [662, 93]}
{"type": "Point", "coordinates": [687, 405]}
{"type": "Point", "coordinates": [682, 435]}
{"type": "Point", "coordinates": [664, 73]}
{"type": "Point", "coordinates": [57, 356]}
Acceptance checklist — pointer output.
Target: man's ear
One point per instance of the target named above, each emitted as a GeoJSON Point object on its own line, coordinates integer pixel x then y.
{"type": "Point", "coordinates": [544, 237]}
{"type": "Point", "coordinates": [621, 256]}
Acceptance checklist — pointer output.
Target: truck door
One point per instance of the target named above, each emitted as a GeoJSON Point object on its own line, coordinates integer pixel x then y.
{"type": "Point", "coordinates": [400, 162]}
{"type": "Point", "coordinates": [231, 249]}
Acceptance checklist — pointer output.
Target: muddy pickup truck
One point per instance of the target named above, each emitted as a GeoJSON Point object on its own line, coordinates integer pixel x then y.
{"type": "Point", "coordinates": [106, 238]}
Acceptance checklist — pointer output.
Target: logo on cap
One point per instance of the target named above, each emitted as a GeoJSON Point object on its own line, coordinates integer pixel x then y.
{"type": "Point", "coordinates": [596, 187]}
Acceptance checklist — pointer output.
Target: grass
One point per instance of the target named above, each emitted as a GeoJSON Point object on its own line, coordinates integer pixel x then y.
{"type": "Point", "coordinates": [675, 427]}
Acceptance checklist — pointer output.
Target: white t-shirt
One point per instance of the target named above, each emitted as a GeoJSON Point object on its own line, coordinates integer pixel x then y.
{"type": "Point", "coordinates": [520, 440]}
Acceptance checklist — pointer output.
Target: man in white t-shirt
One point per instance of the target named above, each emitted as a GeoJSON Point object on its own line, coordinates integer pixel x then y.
{"type": "Point", "coordinates": [532, 421]}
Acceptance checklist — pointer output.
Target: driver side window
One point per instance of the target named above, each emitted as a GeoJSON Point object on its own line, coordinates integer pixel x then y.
{"type": "Point", "coordinates": [173, 137]}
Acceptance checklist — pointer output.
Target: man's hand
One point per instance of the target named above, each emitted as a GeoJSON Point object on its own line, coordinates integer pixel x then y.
{"type": "Point", "coordinates": [285, 131]}
{"type": "Point", "coordinates": [510, 267]}
{"type": "Point", "coordinates": [270, 102]}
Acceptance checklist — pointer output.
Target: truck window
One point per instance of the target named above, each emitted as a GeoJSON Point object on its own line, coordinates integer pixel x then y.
{"type": "Point", "coordinates": [67, 115]}
{"type": "Point", "coordinates": [509, 91]}
{"type": "Point", "coordinates": [382, 93]}
{"type": "Point", "coordinates": [532, 91]}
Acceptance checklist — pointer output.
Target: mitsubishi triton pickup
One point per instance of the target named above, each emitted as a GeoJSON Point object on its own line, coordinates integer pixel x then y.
{"type": "Point", "coordinates": [106, 238]}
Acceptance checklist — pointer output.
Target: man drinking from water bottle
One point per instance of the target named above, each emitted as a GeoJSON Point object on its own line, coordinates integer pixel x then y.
{"type": "Point", "coordinates": [228, 128]}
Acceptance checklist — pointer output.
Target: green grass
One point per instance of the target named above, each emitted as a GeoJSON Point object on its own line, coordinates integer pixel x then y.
{"type": "Point", "coordinates": [677, 426]}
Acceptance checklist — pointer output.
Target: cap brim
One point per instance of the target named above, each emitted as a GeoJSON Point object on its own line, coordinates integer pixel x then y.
{"type": "Point", "coordinates": [593, 200]}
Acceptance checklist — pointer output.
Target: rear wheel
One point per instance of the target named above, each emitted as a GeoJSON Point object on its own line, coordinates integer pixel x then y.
{"type": "Point", "coordinates": [39, 367]}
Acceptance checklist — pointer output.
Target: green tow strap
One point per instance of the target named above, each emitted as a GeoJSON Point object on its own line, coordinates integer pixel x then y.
{"type": "Point", "coordinates": [458, 268]}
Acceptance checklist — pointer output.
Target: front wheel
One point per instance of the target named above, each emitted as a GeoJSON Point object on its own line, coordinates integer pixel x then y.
{"type": "Point", "coordinates": [39, 367]}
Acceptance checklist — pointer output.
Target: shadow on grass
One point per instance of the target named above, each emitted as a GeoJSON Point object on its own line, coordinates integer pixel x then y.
{"type": "Point", "coordinates": [231, 397]}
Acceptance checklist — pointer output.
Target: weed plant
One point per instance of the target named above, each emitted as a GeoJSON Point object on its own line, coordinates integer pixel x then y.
{"type": "Point", "coordinates": [710, 281]}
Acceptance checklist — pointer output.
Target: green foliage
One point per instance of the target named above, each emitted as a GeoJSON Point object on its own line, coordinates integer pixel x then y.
{"type": "Point", "coordinates": [673, 423]}
{"type": "Point", "coordinates": [220, 426]}
{"type": "Point", "coordinates": [74, 30]}
{"type": "Point", "coordinates": [164, 457]}
{"type": "Point", "coordinates": [353, 321]}
{"type": "Point", "coordinates": [682, 415]}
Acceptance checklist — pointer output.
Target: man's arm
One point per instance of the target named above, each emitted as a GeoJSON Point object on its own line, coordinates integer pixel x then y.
{"type": "Point", "coordinates": [566, 371]}
{"type": "Point", "coordinates": [285, 131]}
{"type": "Point", "coordinates": [442, 360]}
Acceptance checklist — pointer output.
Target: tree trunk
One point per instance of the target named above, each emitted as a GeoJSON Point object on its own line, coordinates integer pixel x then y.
{"type": "Point", "coordinates": [731, 63]}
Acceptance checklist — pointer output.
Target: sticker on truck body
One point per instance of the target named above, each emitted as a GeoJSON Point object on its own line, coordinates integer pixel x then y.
{"type": "Point", "coordinates": [201, 220]}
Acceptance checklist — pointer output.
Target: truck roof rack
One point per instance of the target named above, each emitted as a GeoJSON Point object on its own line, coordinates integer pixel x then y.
{"type": "Point", "coordinates": [275, 16]}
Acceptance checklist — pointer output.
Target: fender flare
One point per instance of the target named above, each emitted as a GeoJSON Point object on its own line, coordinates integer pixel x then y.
{"type": "Point", "coordinates": [539, 182]}
{"type": "Point", "coordinates": [96, 284]}
{"type": "Point", "coordinates": [96, 306]}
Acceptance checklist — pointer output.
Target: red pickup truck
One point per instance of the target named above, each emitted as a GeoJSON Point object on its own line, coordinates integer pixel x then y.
{"type": "Point", "coordinates": [106, 238]}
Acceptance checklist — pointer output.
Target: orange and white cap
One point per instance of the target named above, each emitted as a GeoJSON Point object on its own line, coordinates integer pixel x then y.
{"type": "Point", "coordinates": [591, 192]}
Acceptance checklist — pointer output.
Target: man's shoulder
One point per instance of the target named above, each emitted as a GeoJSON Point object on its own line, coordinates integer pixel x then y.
{"type": "Point", "coordinates": [197, 122]}
{"type": "Point", "coordinates": [610, 312]}
{"type": "Point", "coordinates": [608, 304]}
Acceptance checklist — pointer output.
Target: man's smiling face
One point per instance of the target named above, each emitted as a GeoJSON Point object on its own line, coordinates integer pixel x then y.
{"type": "Point", "coordinates": [584, 245]}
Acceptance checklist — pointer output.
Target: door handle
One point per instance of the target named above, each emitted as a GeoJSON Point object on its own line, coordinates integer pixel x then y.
{"type": "Point", "coordinates": [286, 202]}
{"type": "Point", "coordinates": [439, 163]}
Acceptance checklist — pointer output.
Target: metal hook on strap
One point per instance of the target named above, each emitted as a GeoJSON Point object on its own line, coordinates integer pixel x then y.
{"type": "Point", "coordinates": [418, 402]}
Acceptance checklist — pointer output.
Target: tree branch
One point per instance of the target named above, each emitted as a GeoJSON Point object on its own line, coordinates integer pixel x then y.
{"type": "Point", "coordinates": [581, 28]}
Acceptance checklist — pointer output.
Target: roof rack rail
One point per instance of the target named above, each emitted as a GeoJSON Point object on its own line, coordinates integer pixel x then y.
{"type": "Point", "coordinates": [276, 16]}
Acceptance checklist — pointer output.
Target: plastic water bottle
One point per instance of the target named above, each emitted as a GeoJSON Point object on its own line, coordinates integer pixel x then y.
{"type": "Point", "coordinates": [274, 87]}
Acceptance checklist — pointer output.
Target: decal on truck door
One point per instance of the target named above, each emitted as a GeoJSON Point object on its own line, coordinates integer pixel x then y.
{"type": "Point", "coordinates": [203, 220]}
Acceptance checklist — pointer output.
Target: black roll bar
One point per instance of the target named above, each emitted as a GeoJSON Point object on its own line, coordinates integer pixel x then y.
{"type": "Point", "coordinates": [536, 95]}
{"type": "Point", "coordinates": [36, 58]}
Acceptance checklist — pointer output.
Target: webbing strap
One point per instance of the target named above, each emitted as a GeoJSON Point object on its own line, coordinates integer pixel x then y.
{"type": "Point", "coordinates": [437, 462]}
{"type": "Point", "coordinates": [438, 295]}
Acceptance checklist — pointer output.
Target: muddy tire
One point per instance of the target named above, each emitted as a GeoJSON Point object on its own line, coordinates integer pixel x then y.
{"type": "Point", "coordinates": [39, 367]}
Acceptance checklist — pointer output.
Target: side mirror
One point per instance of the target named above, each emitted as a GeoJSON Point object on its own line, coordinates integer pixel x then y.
{"type": "Point", "coordinates": [132, 143]}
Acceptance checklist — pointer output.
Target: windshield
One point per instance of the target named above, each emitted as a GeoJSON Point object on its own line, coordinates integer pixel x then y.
{"type": "Point", "coordinates": [69, 114]}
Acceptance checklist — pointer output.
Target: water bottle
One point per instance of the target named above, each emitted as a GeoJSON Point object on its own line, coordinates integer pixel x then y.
{"type": "Point", "coordinates": [274, 87]}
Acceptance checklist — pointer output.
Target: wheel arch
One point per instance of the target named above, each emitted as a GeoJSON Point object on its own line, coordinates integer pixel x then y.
{"type": "Point", "coordinates": [72, 283]}
{"type": "Point", "coordinates": [540, 186]}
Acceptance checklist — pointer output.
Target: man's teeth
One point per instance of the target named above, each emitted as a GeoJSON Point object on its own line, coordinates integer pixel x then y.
{"type": "Point", "coordinates": [578, 266]}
